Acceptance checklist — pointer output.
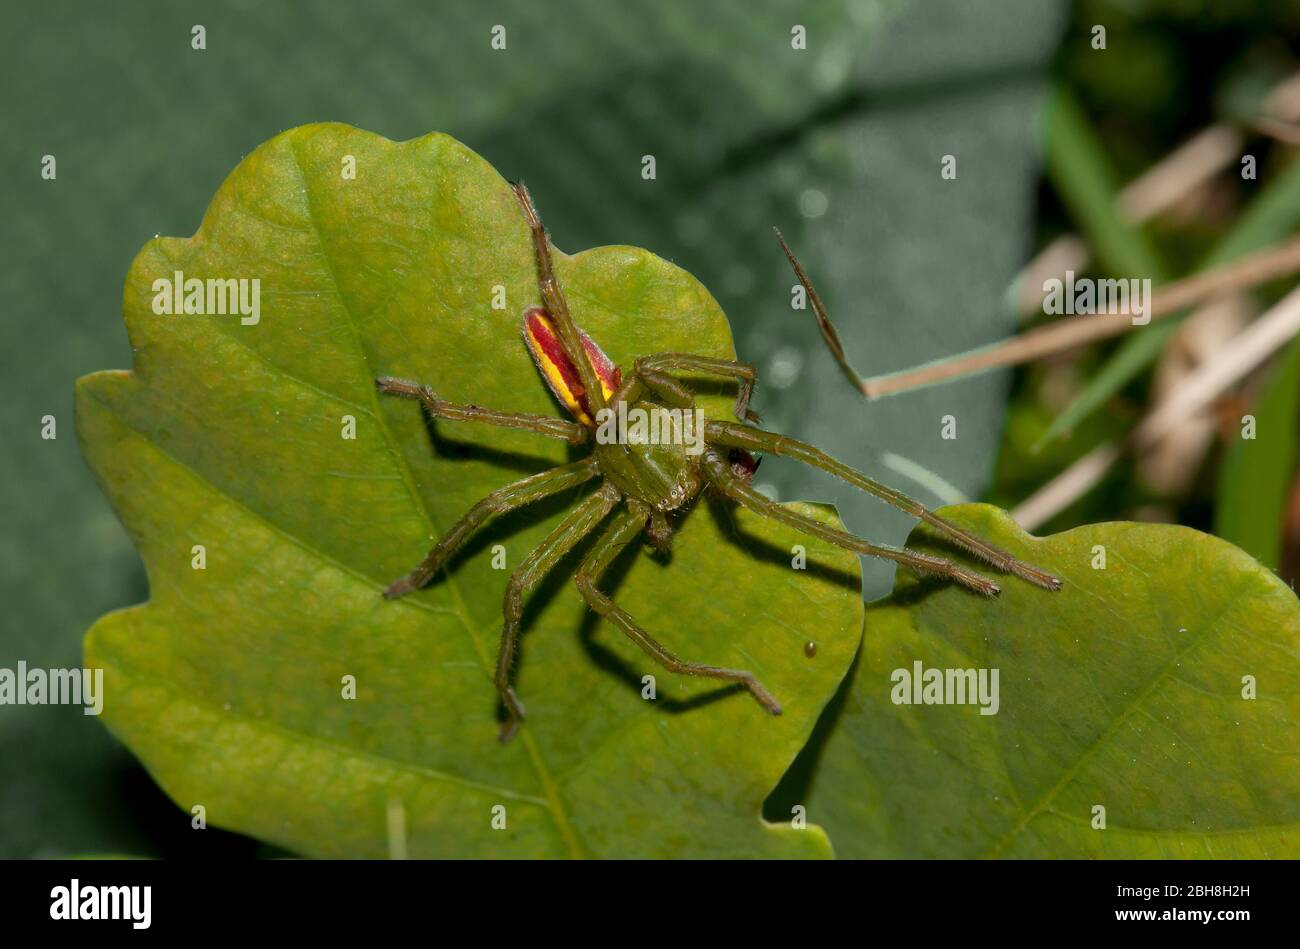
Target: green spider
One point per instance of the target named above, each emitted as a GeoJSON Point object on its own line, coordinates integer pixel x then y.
{"type": "Point", "coordinates": [652, 481]}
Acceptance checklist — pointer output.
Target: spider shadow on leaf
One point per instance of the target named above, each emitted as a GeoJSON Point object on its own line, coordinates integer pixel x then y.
{"type": "Point", "coordinates": [465, 449]}
{"type": "Point", "coordinates": [759, 548]}
{"type": "Point", "coordinates": [513, 522]}
{"type": "Point", "coordinates": [915, 590]}
{"type": "Point", "coordinates": [511, 525]}
{"type": "Point", "coordinates": [753, 546]}
{"type": "Point", "coordinates": [609, 661]}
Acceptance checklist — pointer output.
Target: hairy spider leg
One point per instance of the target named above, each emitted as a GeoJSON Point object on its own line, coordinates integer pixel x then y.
{"type": "Point", "coordinates": [824, 323]}
{"type": "Point", "coordinates": [673, 393]}
{"type": "Point", "coordinates": [649, 368]}
{"type": "Point", "coordinates": [652, 368]}
{"type": "Point", "coordinates": [579, 522]}
{"type": "Point", "coordinates": [719, 473]}
{"type": "Point", "coordinates": [622, 531]}
{"type": "Point", "coordinates": [512, 496]}
{"type": "Point", "coordinates": [755, 439]}
{"type": "Point", "coordinates": [437, 408]}
{"type": "Point", "coordinates": [556, 306]}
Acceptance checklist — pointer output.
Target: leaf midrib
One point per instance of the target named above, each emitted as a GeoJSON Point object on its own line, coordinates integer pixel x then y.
{"type": "Point", "coordinates": [555, 808]}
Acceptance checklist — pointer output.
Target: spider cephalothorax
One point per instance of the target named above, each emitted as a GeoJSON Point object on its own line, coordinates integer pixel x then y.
{"type": "Point", "coordinates": [651, 478]}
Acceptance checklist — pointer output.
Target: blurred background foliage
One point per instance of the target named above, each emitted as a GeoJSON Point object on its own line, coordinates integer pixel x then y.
{"type": "Point", "coordinates": [839, 144]}
{"type": "Point", "coordinates": [1221, 79]}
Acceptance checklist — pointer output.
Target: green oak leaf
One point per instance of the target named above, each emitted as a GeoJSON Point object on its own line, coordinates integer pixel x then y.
{"type": "Point", "coordinates": [228, 683]}
{"type": "Point", "coordinates": [1123, 690]}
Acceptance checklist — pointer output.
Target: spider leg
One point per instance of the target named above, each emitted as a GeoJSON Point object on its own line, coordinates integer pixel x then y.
{"type": "Point", "coordinates": [672, 392]}
{"type": "Point", "coordinates": [778, 445]}
{"type": "Point", "coordinates": [505, 499]}
{"type": "Point", "coordinates": [754, 439]}
{"type": "Point", "coordinates": [580, 522]}
{"type": "Point", "coordinates": [651, 367]}
{"type": "Point", "coordinates": [719, 473]}
{"type": "Point", "coordinates": [438, 408]}
{"type": "Point", "coordinates": [635, 384]}
{"type": "Point", "coordinates": [622, 531]}
{"type": "Point", "coordinates": [557, 307]}
{"type": "Point", "coordinates": [831, 338]}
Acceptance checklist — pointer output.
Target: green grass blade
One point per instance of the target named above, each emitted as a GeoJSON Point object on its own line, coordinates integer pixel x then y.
{"type": "Point", "coordinates": [1081, 173]}
{"type": "Point", "coordinates": [1255, 474]}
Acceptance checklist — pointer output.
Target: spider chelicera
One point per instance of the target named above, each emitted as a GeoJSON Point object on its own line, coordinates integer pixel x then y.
{"type": "Point", "coordinates": [652, 481]}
